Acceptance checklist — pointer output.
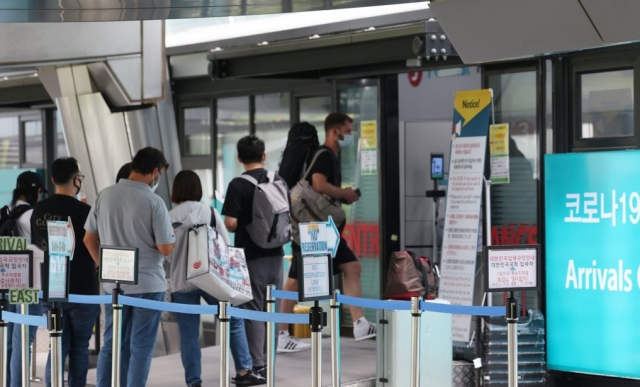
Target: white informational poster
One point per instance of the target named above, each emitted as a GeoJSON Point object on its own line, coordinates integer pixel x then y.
{"type": "Point", "coordinates": [118, 265]}
{"type": "Point", "coordinates": [61, 238]}
{"type": "Point", "coordinates": [58, 277]}
{"type": "Point", "coordinates": [316, 276]}
{"type": "Point", "coordinates": [512, 269]}
{"type": "Point", "coordinates": [15, 270]}
{"type": "Point", "coordinates": [462, 221]}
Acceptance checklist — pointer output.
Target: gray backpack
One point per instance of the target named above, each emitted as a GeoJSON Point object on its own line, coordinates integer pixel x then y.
{"type": "Point", "coordinates": [270, 225]}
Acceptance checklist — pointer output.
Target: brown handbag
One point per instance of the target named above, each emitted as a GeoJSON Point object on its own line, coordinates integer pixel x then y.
{"type": "Point", "coordinates": [410, 276]}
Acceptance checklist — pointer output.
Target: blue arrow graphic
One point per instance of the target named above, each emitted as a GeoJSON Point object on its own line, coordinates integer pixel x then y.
{"type": "Point", "coordinates": [333, 237]}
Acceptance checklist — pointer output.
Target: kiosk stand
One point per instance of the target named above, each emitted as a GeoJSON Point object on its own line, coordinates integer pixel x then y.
{"type": "Point", "coordinates": [318, 243]}
{"type": "Point", "coordinates": [118, 265]}
{"type": "Point", "coordinates": [437, 173]}
{"type": "Point", "coordinates": [509, 269]}
{"type": "Point", "coordinates": [55, 290]}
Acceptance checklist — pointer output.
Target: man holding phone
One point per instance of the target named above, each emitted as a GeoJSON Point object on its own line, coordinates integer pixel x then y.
{"type": "Point", "coordinates": [326, 178]}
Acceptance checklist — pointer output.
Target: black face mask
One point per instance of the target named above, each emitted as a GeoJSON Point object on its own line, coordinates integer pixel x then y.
{"type": "Point", "coordinates": [79, 187]}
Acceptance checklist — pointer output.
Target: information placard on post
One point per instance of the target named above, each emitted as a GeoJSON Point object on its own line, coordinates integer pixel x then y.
{"type": "Point", "coordinates": [119, 265]}
{"type": "Point", "coordinates": [15, 270]}
{"type": "Point", "coordinates": [55, 281]}
{"type": "Point", "coordinates": [61, 238]}
{"type": "Point", "coordinates": [512, 268]}
{"type": "Point", "coordinates": [316, 277]}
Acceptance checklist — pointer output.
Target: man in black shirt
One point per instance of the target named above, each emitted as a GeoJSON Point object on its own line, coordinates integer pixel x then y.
{"type": "Point", "coordinates": [265, 265]}
{"type": "Point", "coordinates": [326, 178]}
{"type": "Point", "coordinates": [78, 319]}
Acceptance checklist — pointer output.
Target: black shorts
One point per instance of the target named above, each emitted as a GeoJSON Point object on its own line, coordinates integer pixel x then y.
{"type": "Point", "coordinates": [343, 255]}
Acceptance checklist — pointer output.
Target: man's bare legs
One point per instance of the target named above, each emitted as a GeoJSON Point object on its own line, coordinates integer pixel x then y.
{"type": "Point", "coordinates": [352, 286]}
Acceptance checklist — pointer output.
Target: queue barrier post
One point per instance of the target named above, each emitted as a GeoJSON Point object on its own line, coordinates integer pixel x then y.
{"type": "Point", "coordinates": [271, 338]}
{"type": "Point", "coordinates": [335, 339]}
{"type": "Point", "coordinates": [224, 320]}
{"type": "Point", "coordinates": [317, 320]}
{"type": "Point", "coordinates": [416, 314]}
{"type": "Point", "coordinates": [55, 340]}
{"type": "Point", "coordinates": [4, 364]}
{"type": "Point", "coordinates": [24, 331]}
{"type": "Point", "coordinates": [512, 339]}
{"type": "Point", "coordinates": [117, 336]}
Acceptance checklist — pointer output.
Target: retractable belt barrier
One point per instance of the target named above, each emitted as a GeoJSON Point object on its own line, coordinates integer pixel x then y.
{"type": "Point", "coordinates": [225, 312]}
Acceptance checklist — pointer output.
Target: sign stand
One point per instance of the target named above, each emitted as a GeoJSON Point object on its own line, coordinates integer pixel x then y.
{"type": "Point", "coordinates": [55, 290]}
{"type": "Point", "coordinates": [319, 243]}
{"type": "Point", "coordinates": [118, 265]}
{"type": "Point", "coordinates": [4, 306]}
{"type": "Point", "coordinates": [510, 269]}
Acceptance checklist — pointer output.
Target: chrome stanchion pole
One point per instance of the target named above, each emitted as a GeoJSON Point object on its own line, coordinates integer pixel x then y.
{"type": "Point", "coordinates": [335, 339]}
{"type": "Point", "coordinates": [224, 318]}
{"type": "Point", "coordinates": [55, 337]}
{"type": "Point", "coordinates": [415, 341]}
{"type": "Point", "coordinates": [24, 329]}
{"type": "Point", "coordinates": [34, 361]}
{"type": "Point", "coordinates": [116, 347]}
{"type": "Point", "coordinates": [271, 338]}
{"type": "Point", "coordinates": [316, 321]}
{"type": "Point", "coordinates": [4, 364]}
{"type": "Point", "coordinates": [512, 340]}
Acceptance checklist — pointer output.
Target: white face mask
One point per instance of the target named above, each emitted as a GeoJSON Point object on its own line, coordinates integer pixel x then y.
{"type": "Point", "coordinates": [155, 184]}
{"type": "Point", "coordinates": [347, 141]}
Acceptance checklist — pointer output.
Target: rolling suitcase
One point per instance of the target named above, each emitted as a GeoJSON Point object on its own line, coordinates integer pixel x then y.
{"type": "Point", "coordinates": [394, 355]}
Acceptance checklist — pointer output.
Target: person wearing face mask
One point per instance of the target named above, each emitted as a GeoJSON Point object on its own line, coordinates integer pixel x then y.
{"type": "Point", "coordinates": [326, 178]}
{"type": "Point", "coordinates": [129, 214]}
{"type": "Point", "coordinates": [78, 319]}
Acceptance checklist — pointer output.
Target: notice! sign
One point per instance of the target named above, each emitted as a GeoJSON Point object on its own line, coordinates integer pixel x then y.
{"type": "Point", "coordinates": [511, 268]}
{"type": "Point", "coordinates": [317, 277]}
{"type": "Point", "coordinates": [118, 264]}
{"type": "Point", "coordinates": [15, 270]}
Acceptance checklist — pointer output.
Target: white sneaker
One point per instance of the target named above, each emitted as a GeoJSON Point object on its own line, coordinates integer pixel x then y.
{"type": "Point", "coordinates": [363, 329]}
{"type": "Point", "coordinates": [288, 343]}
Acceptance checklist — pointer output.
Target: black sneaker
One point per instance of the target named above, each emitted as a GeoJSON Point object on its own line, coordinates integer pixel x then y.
{"type": "Point", "coordinates": [262, 371]}
{"type": "Point", "coordinates": [249, 379]}
{"type": "Point", "coordinates": [196, 385]}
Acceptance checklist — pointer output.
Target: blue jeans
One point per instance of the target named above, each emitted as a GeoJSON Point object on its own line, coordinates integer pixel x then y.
{"type": "Point", "coordinates": [139, 333]}
{"type": "Point", "coordinates": [78, 321]}
{"type": "Point", "coordinates": [15, 334]}
{"type": "Point", "coordinates": [189, 327]}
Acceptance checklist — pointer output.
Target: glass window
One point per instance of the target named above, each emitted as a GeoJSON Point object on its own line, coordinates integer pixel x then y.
{"type": "Point", "coordinates": [607, 104]}
{"type": "Point", "coordinates": [514, 206]}
{"type": "Point", "coordinates": [360, 169]}
{"type": "Point", "coordinates": [314, 110]}
{"type": "Point", "coordinates": [206, 179]}
{"type": "Point", "coordinates": [272, 125]}
{"type": "Point", "coordinates": [197, 131]}
{"type": "Point", "coordinates": [232, 124]}
{"type": "Point", "coordinates": [9, 142]}
{"type": "Point", "coordinates": [33, 142]}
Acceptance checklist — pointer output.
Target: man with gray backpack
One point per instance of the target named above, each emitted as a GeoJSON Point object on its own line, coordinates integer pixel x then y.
{"type": "Point", "coordinates": [257, 209]}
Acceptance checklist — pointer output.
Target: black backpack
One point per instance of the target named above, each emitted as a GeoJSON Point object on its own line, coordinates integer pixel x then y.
{"type": "Point", "coordinates": [302, 143]}
{"type": "Point", "coordinates": [9, 219]}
